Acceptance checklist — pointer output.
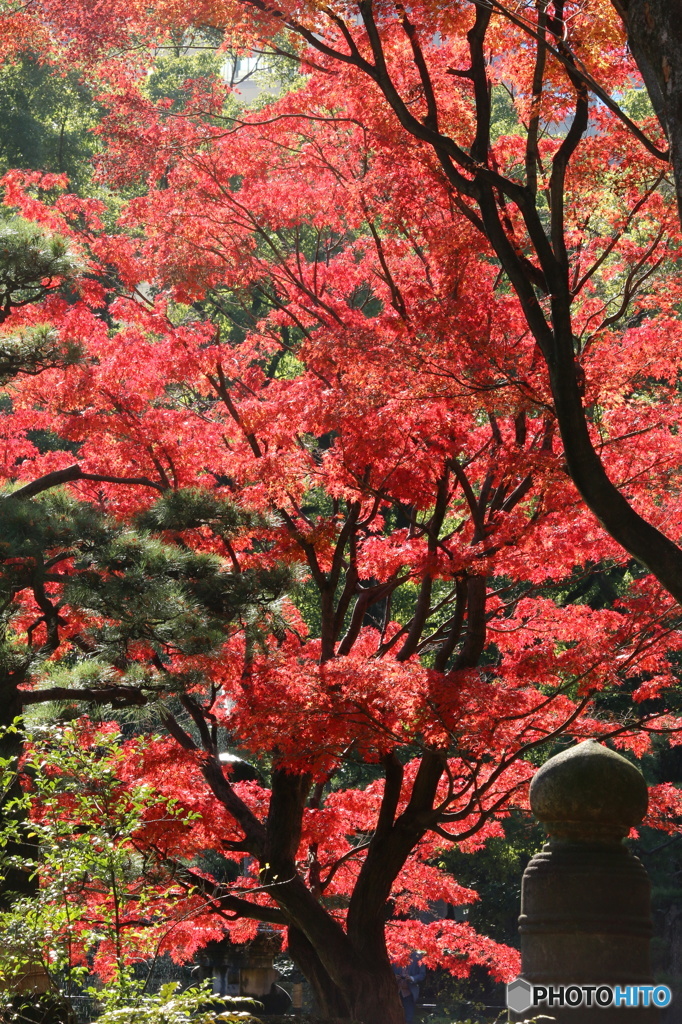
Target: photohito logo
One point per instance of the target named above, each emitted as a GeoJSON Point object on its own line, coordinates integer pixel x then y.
{"type": "Point", "coordinates": [522, 996]}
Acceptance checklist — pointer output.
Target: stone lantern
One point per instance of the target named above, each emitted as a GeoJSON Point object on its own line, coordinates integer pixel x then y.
{"type": "Point", "coordinates": [585, 904]}
{"type": "Point", "coordinates": [247, 969]}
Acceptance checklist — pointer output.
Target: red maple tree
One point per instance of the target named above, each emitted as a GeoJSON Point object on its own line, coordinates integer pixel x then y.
{"type": "Point", "coordinates": [398, 350]}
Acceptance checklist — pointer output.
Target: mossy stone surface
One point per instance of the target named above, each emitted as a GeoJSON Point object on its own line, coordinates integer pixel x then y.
{"type": "Point", "coordinates": [589, 792]}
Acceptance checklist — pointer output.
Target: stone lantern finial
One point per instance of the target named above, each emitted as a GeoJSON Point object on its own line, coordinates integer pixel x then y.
{"type": "Point", "coordinates": [589, 793]}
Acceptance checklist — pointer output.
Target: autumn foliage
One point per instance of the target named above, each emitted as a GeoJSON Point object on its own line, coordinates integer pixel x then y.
{"type": "Point", "coordinates": [323, 385]}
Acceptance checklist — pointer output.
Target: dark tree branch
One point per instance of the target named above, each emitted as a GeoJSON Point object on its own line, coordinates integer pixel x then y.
{"type": "Point", "coordinates": [117, 696]}
{"type": "Point", "coordinates": [74, 473]}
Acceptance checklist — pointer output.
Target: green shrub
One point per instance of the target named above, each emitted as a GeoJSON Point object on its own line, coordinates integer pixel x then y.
{"type": "Point", "coordinates": [171, 1005]}
{"type": "Point", "coordinates": [229, 1004]}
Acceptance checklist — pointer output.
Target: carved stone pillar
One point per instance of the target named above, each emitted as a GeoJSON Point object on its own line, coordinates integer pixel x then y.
{"type": "Point", "coordinates": [585, 903]}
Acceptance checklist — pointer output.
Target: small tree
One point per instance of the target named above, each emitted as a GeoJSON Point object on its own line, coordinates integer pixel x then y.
{"type": "Point", "coordinates": [102, 906]}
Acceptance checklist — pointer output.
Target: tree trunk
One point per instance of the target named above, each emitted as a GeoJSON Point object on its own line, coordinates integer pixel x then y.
{"type": "Point", "coordinates": [369, 995]}
{"type": "Point", "coordinates": [16, 880]}
{"type": "Point", "coordinates": [330, 1000]}
{"type": "Point", "coordinates": [654, 29]}
{"type": "Point", "coordinates": [374, 996]}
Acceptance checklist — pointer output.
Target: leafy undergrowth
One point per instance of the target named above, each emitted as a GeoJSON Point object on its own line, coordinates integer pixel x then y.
{"type": "Point", "coordinates": [307, 1018]}
{"type": "Point", "coordinates": [238, 1017]}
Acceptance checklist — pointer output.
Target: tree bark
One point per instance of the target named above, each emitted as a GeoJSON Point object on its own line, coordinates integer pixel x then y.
{"type": "Point", "coordinates": [331, 1001]}
{"type": "Point", "coordinates": [369, 995]}
{"type": "Point", "coordinates": [654, 30]}
{"type": "Point", "coordinates": [17, 881]}
{"type": "Point", "coordinates": [346, 981]}
{"type": "Point", "coordinates": [352, 971]}
{"type": "Point", "coordinates": [374, 996]}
